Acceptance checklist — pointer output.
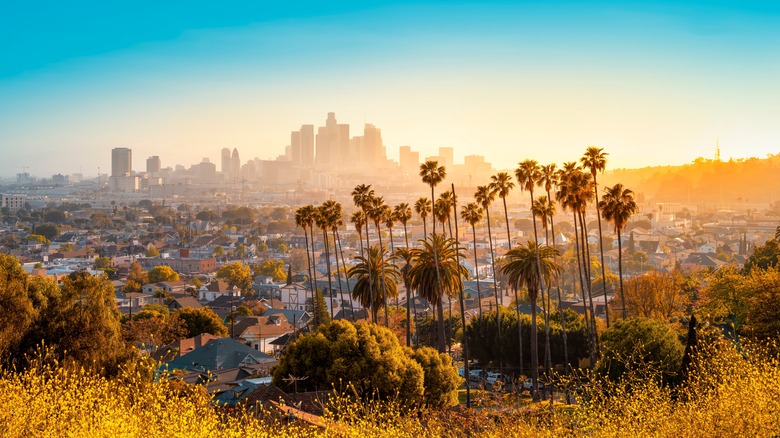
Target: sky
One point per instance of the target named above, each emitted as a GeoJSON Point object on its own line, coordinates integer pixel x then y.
{"type": "Point", "coordinates": [653, 83]}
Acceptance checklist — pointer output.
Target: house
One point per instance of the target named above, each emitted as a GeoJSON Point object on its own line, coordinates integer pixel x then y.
{"type": "Point", "coordinates": [219, 354]}
{"type": "Point", "coordinates": [182, 302]}
{"type": "Point", "coordinates": [182, 347]}
{"type": "Point", "coordinates": [216, 289]}
{"type": "Point", "coordinates": [259, 331]}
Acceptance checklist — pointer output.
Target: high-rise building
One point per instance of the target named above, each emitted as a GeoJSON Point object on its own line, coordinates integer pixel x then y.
{"type": "Point", "coordinates": [153, 165]}
{"type": "Point", "coordinates": [447, 156]}
{"type": "Point", "coordinates": [409, 160]}
{"type": "Point", "coordinates": [235, 165]}
{"type": "Point", "coordinates": [332, 144]}
{"type": "Point", "coordinates": [372, 153]}
{"type": "Point", "coordinates": [307, 145]}
{"type": "Point", "coordinates": [121, 162]}
{"type": "Point", "coordinates": [226, 162]}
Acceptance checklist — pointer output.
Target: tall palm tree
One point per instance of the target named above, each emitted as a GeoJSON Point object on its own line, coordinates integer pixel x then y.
{"type": "Point", "coordinates": [441, 214]}
{"type": "Point", "coordinates": [323, 223]}
{"type": "Point", "coordinates": [423, 208]}
{"type": "Point", "coordinates": [335, 221]}
{"type": "Point", "coordinates": [501, 183]}
{"type": "Point", "coordinates": [362, 196]}
{"type": "Point", "coordinates": [595, 160]}
{"type": "Point", "coordinates": [472, 213]}
{"type": "Point", "coordinates": [436, 272]}
{"type": "Point", "coordinates": [377, 212]}
{"type": "Point", "coordinates": [448, 200]}
{"type": "Point", "coordinates": [544, 210]}
{"type": "Point", "coordinates": [618, 206]}
{"type": "Point", "coordinates": [386, 280]}
{"type": "Point", "coordinates": [433, 174]}
{"type": "Point", "coordinates": [484, 197]}
{"type": "Point", "coordinates": [358, 219]}
{"type": "Point", "coordinates": [523, 265]}
{"type": "Point", "coordinates": [407, 255]}
{"type": "Point", "coordinates": [403, 214]}
{"type": "Point", "coordinates": [304, 219]}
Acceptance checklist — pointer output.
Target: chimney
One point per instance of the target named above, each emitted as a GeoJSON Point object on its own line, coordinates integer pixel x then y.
{"type": "Point", "coordinates": [289, 275]}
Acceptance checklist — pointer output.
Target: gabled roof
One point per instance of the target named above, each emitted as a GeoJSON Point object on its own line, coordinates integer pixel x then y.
{"type": "Point", "coordinates": [218, 354]}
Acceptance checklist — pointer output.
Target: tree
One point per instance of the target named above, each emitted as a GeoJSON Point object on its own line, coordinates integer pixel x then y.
{"type": "Point", "coordinates": [384, 280]}
{"type": "Point", "coordinates": [206, 215]}
{"type": "Point", "coordinates": [655, 295]}
{"type": "Point", "coordinates": [55, 216]}
{"type": "Point", "coordinates": [436, 272]}
{"type": "Point", "coordinates": [367, 360]}
{"type": "Point", "coordinates": [618, 206]}
{"type": "Point", "coordinates": [152, 328]}
{"type": "Point", "coordinates": [531, 266]}
{"type": "Point", "coordinates": [236, 275]}
{"type": "Point", "coordinates": [764, 256]}
{"type": "Point", "coordinates": [203, 320]}
{"type": "Point", "coordinates": [640, 344]}
{"type": "Point", "coordinates": [162, 273]}
{"type": "Point", "coordinates": [136, 278]}
{"type": "Point", "coordinates": [272, 268]}
{"type": "Point", "coordinates": [472, 214]}
{"type": "Point", "coordinates": [423, 208]}
{"type": "Point", "coordinates": [595, 159]}
{"type": "Point", "coordinates": [440, 378]}
{"type": "Point", "coordinates": [17, 313]}
{"type": "Point", "coordinates": [102, 263]}
{"type": "Point", "coordinates": [320, 313]}
{"type": "Point", "coordinates": [433, 174]}
{"type": "Point", "coordinates": [484, 197]}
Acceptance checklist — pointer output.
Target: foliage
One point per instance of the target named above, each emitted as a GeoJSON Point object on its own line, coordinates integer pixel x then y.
{"type": "Point", "coordinates": [203, 320]}
{"type": "Point", "coordinates": [38, 238]}
{"type": "Point", "coordinates": [237, 275]}
{"type": "Point", "coordinates": [151, 251]}
{"type": "Point", "coordinates": [373, 291]}
{"type": "Point", "coordinates": [764, 256]}
{"type": "Point", "coordinates": [162, 273]}
{"type": "Point", "coordinates": [272, 268]}
{"type": "Point", "coordinates": [656, 295]}
{"type": "Point", "coordinates": [640, 343]}
{"type": "Point", "coordinates": [49, 231]}
{"type": "Point", "coordinates": [440, 378]}
{"type": "Point", "coordinates": [427, 329]}
{"type": "Point", "coordinates": [320, 315]}
{"type": "Point", "coordinates": [151, 328]}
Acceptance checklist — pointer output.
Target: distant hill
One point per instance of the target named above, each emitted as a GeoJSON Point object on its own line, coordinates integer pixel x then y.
{"type": "Point", "coordinates": [709, 184]}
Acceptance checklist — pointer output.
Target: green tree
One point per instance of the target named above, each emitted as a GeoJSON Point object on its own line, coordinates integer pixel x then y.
{"type": "Point", "coordinates": [375, 275]}
{"type": "Point", "coordinates": [203, 320]}
{"type": "Point", "coordinates": [436, 272]}
{"type": "Point", "coordinates": [595, 160]}
{"type": "Point", "coordinates": [320, 313]}
{"type": "Point", "coordinates": [764, 256]}
{"type": "Point", "coordinates": [440, 378]}
{"type": "Point", "coordinates": [55, 216]}
{"type": "Point", "coordinates": [618, 206]}
{"type": "Point", "coordinates": [523, 266]}
{"type": "Point", "coordinates": [237, 275]}
{"type": "Point", "coordinates": [640, 344]}
{"type": "Point", "coordinates": [16, 309]}
{"type": "Point", "coordinates": [49, 231]}
{"type": "Point", "coordinates": [162, 273]}
{"type": "Point", "coordinates": [369, 360]}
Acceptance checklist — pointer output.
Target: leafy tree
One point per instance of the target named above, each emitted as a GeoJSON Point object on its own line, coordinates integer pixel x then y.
{"type": "Point", "coordinates": [272, 268]}
{"type": "Point", "coordinates": [440, 378]}
{"type": "Point", "coordinates": [656, 295]}
{"type": "Point", "coordinates": [376, 276]}
{"type": "Point", "coordinates": [55, 216]}
{"type": "Point", "coordinates": [16, 309]}
{"type": "Point", "coordinates": [151, 251]}
{"type": "Point", "coordinates": [764, 256]}
{"type": "Point", "coordinates": [427, 329]}
{"type": "Point", "coordinates": [153, 328]}
{"type": "Point", "coordinates": [38, 238]}
{"type": "Point", "coordinates": [320, 315]}
{"type": "Point", "coordinates": [162, 273]}
{"type": "Point", "coordinates": [203, 320]}
{"type": "Point", "coordinates": [219, 252]}
{"type": "Point", "coordinates": [136, 278]}
{"type": "Point", "coordinates": [237, 275]}
{"type": "Point", "coordinates": [368, 359]}
{"type": "Point", "coordinates": [640, 343]}
{"type": "Point", "coordinates": [206, 215]}
{"type": "Point", "coordinates": [297, 260]}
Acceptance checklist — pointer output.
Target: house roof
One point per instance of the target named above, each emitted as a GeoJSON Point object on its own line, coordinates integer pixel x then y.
{"type": "Point", "coordinates": [186, 302]}
{"type": "Point", "coordinates": [218, 354]}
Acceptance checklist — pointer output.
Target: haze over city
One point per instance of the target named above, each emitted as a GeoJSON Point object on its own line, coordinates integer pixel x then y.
{"type": "Point", "coordinates": [652, 83]}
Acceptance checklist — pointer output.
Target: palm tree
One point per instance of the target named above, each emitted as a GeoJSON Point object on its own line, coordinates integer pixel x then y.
{"type": "Point", "coordinates": [472, 213]}
{"type": "Point", "coordinates": [441, 214]}
{"type": "Point", "coordinates": [618, 206]}
{"type": "Point", "coordinates": [407, 256]}
{"type": "Point", "coordinates": [304, 219]}
{"type": "Point", "coordinates": [358, 219]}
{"type": "Point", "coordinates": [448, 200]}
{"type": "Point", "coordinates": [484, 197]}
{"type": "Point", "coordinates": [403, 214]}
{"type": "Point", "coordinates": [523, 266]}
{"type": "Point", "coordinates": [387, 280]}
{"type": "Point", "coordinates": [432, 174]}
{"type": "Point", "coordinates": [436, 272]}
{"type": "Point", "coordinates": [423, 207]}
{"type": "Point", "coordinates": [595, 159]}
{"type": "Point", "coordinates": [362, 196]}
{"type": "Point", "coordinates": [323, 223]}
{"type": "Point", "coordinates": [501, 183]}
{"type": "Point", "coordinates": [377, 212]}
{"type": "Point", "coordinates": [544, 210]}
{"type": "Point", "coordinates": [335, 222]}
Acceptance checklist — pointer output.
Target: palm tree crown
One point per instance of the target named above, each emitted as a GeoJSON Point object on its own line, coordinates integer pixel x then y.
{"type": "Point", "coordinates": [422, 275]}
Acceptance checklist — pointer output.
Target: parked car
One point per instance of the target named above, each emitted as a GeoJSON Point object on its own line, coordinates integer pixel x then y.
{"type": "Point", "coordinates": [493, 377]}
{"type": "Point", "coordinates": [529, 384]}
{"type": "Point", "coordinates": [476, 375]}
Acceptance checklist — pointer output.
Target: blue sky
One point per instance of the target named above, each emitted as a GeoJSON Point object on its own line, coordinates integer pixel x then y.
{"type": "Point", "coordinates": [652, 83]}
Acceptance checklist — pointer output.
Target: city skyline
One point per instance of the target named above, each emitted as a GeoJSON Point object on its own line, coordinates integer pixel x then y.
{"type": "Point", "coordinates": [652, 83]}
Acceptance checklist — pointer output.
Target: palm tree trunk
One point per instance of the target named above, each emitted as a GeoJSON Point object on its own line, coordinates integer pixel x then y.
{"type": "Point", "coordinates": [338, 274]}
{"type": "Point", "coordinates": [601, 249]}
{"type": "Point", "coordinates": [408, 297]}
{"type": "Point", "coordinates": [309, 267]}
{"type": "Point", "coordinates": [534, 353]}
{"type": "Point", "coordinates": [346, 277]}
{"type": "Point", "coordinates": [519, 327]}
{"type": "Point", "coordinates": [476, 267]}
{"type": "Point", "coordinates": [495, 288]}
{"type": "Point", "coordinates": [582, 284]}
{"type": "Point", "coordinates": [586, 265]}
{"type": "Point", "coordinates": [383, 286]}
{"type": "Point", "coordinates": [620, 273]}
{"type": "Point", "coordinates": [560, 300]}
{"type": "Point", "coordinates": [462, 305]}
{"type": "Point", "coordinates": [370, 280]}
{"type": "Point", "coordinates": [534, 348]}
{"type": "Point", "coordinates": [441, 344]}
{"type": "Point", "coordinates": [547, 307]}
{"type": "Point", "coordinates": [327, 264]}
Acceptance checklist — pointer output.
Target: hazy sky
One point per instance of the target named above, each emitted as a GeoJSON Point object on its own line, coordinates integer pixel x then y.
{"type": "Point", "coordinates": [652, 83]}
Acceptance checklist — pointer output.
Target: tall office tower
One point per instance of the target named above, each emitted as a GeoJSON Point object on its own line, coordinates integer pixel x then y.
{"type": "Point", "coordinates": [226, 162]}
{"type": "Point", "coordinates": [373, 150]}
{"type": "Point", "coordinates": [446, 154]}
{"type": "Point", "coordinates": [332, 144]}
{"type": "Point", "coordinates": [307, 145]}
{"type": "Point", "coordinates": [409, 160]}
{"type": "Point", "coordinates": [121, 162]}
{"type": "Point", "coordinates": [295, 148]}
{"type": "Point", "coordinates": [235, 165]}
{"type": "Point", "coordinates": [153, 165]}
